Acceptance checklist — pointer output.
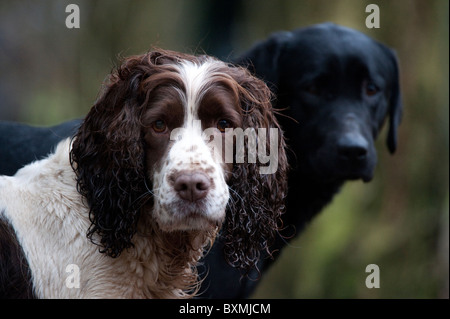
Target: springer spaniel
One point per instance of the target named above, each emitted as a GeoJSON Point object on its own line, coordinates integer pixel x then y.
{"type": "Point", "coordinates": [128, 206]}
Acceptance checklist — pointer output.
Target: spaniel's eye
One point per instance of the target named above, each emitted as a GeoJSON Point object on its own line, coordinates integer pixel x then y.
{"type": "Point", "coordinates": [159, 126]}
{"type": "Point", "coordinates": [223, 124]}
{"type": "Point", "coordinates": [370, 88]}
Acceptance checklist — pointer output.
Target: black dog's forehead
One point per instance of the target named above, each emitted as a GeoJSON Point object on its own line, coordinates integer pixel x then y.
{"type": "Point", "coordinates": [333, 38]}
{"type": "Point", "coordinates": [335, 49]}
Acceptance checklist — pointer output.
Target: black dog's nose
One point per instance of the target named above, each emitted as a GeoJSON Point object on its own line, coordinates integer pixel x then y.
{"type": "Point", "coordinates": [353, 147]}
{"type": "Point", "coordinates": [192, 187]}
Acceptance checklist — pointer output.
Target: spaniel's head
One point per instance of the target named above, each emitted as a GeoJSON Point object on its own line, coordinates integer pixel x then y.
{"type": "Point", "coordinates": [164, 141]}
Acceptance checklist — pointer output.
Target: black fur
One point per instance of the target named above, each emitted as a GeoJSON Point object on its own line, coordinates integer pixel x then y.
{"type": "Point", "coordinates": [15, 277]}
{"type": "Point", "coordinates": [20, 144]}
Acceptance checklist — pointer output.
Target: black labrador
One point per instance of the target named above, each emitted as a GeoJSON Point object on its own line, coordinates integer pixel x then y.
{"type": "Point", "coordinates": [337, 87]}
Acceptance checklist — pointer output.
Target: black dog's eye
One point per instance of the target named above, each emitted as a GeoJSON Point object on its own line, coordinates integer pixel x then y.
{"type": "Point", "coordinates": [159, 126]}
{"type": "Point", "coordinates": [313, 89]}
{"type": "Point", "coordinates": [223, 124]}
{"type": "Point", "coordinates": [370, 88]}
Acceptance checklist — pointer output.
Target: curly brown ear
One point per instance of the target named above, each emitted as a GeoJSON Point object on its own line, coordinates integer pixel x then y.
{"type": "Point", "coordinates": [257, 198]}
{"type": "Point", "coordinates": [108, 159]}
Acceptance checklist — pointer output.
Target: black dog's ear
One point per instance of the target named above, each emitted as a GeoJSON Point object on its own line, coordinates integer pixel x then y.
{"type": "Point", "coordinates": [263, 58]}
{"type": "Point", "coordinates": [395, 104]}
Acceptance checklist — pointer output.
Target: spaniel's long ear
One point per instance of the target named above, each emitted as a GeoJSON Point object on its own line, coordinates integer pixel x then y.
{"type": "Point", "coordinates": [257, 192]}
{"type": "Point", "coordinates": [108, 158]}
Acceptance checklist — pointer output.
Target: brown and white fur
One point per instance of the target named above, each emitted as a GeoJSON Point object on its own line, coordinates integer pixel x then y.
{"type": "Point", "coordinates": [132, 206]}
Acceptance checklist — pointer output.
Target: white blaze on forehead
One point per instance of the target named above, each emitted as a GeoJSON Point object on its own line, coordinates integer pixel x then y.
{"type": "Point", "coordinates": [195, 77]}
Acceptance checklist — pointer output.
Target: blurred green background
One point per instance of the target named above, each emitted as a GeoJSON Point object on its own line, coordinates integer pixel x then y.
{"type": "Point", "coordinates": [399, 221]}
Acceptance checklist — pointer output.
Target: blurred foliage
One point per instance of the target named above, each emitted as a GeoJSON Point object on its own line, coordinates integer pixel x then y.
{"type": "Point", "coordinates": [399, 221]}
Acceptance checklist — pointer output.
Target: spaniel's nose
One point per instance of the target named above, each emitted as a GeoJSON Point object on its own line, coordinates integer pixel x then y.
{"type": "Point", "coordinates": [192, 187]}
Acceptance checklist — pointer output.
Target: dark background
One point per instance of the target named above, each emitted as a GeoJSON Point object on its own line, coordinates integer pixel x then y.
{"type": "Point", "coordinates": [399, 221]}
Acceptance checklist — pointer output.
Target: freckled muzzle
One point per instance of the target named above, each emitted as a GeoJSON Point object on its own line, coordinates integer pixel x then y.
{"type": "Point", "coordinates": [191, 190]}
